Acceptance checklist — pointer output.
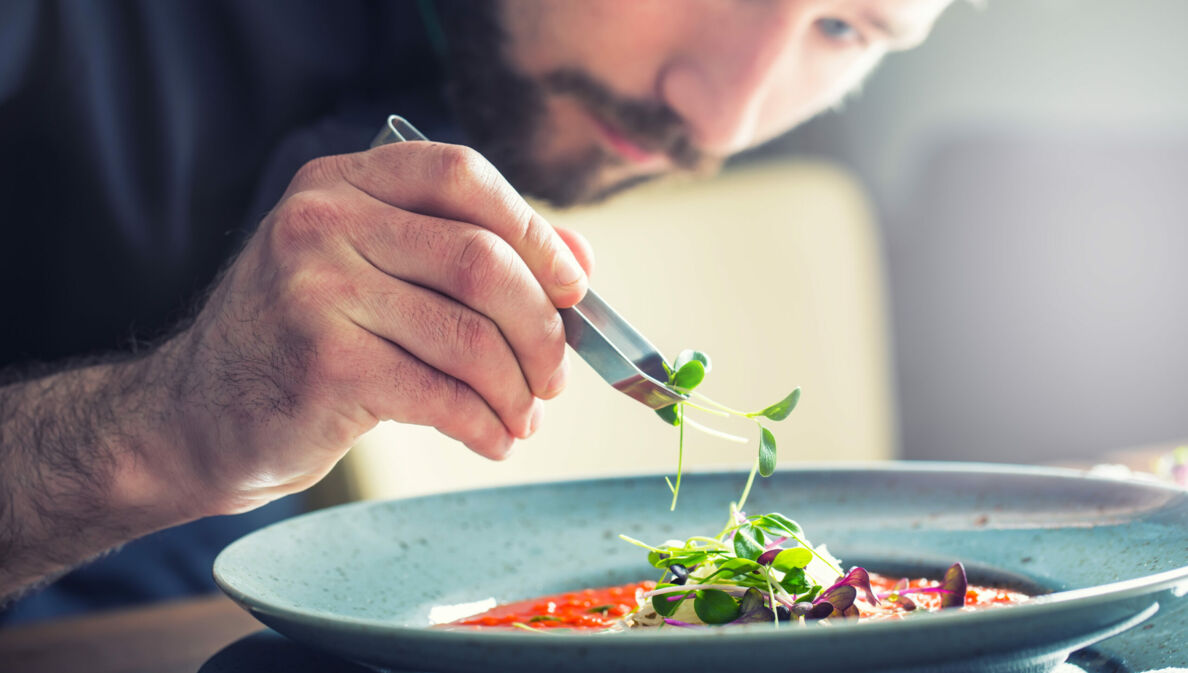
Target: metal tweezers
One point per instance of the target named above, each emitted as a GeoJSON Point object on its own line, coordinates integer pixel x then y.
{"type": "Point", "coordinates": [615, 349]}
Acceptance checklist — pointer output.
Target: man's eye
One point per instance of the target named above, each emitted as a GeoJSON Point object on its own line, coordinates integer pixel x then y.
{"type": "Point", "coordinates": [837, 29]}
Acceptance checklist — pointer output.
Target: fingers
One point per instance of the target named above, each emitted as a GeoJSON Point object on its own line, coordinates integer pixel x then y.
{"type": "Point", "coordinates": [478, 269]}
{"type": "Point", "coordinates": [580, 248]}
{"type": "Point", "coordinates": [449, 337]}
{"type": "Point", "coordinates": [397, 386]}
{"type": "Point", "coordinates": [457, 183]}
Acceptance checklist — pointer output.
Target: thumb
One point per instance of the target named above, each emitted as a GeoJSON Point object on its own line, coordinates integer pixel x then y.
{"type": "Point", "coordinates": [580, 247]}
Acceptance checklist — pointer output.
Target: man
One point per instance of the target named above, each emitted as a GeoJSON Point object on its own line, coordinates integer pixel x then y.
{"type": "Point", "coordinates": [411, 282]}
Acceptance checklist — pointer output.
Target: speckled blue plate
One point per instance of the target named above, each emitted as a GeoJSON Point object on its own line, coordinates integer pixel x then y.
{"type": "Point", "coordinates": [359, 580]}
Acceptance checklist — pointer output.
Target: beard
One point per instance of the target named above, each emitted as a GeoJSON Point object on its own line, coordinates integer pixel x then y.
{"type": "Point", "coordinates": [504, 114]}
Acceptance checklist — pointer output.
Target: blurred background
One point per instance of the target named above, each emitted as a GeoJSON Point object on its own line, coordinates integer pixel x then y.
{"type": "Point", "coordinates": [1028, 166]}
{"type": "Point", "coordinates": [979, 257]}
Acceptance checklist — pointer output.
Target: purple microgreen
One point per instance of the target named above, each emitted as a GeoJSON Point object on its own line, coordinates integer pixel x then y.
{"type": "Point", "coordinates": [819, 610]}
{"type": "Point", "coordinates": [899, 599]}
{"type": "Point", "coordinates": [840, 596]}
{"type": "Point", "coordinates": [768, 556]}
{"type": "Point", "coordinates": [777, 542]}
{"type": "Point", "coordinates": [767, 452]}
{"type": "Point", "coordinates": [859, 579]}
{"type": "Point", "coordinates": [715, 607]}
{"type": "Point", "coordinates": [803, 608]}
{"type": "Point", "coordinates": [752, 600]}
{"type": "Point", "coordinates": [753, 608]}
{"type": "Point", "coordinates": [955, 586]}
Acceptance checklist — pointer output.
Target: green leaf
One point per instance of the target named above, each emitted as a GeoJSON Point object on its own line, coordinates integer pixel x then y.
{"type": "Point", "coordinates": [780, 410]}
{"type": "Point", "coordinates": [813, 592]}
{"type": "Point", "coordinates": [778, 524]}
{"type": "Point", "coordinates": [791, 559]}
{"type": "Point", "coordinates": [767, 452]}
{"type": "Point", "coordinates": [689, 355]}
{"type": "Point", "coordinates": [669, 414]}
{"type": "Point", "coordinates": [662, 605]}
{"type": "Point", "coordinates": [687, 560]}
{"type": "Point", "coordinates": [745, 545]}
{"type": "Point", "coordinates": [689, 376]}
{"type": "Point", "coordinates": [544, 618]}
{"type": "Point", "coordinates": [733, 568]}
{"type": "Point", "coordinates": [600, 608]}
{"type": "Point", "coordinates": [796, 582]}
{"type": "Point", "coordinates": [715, 607]}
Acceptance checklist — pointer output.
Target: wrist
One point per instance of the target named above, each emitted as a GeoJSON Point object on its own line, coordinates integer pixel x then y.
{"type": "Point", "coordinates": [154, 480]}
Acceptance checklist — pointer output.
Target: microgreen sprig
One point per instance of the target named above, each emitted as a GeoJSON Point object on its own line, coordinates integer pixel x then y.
{"type": "Point", "coordinates": [684, 375]}
{"type": "Point", "coordinates": [747, 574]}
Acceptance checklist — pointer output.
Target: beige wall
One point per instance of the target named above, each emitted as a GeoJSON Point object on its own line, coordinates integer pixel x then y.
{"type": "Point", "coordinates": [773, 270]}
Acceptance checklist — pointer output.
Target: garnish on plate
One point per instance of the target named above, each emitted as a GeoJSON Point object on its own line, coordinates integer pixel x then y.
{"type": "Point", "coordinates": [685, 374]}
{"type": "Point", "coordinates": [763, 569]}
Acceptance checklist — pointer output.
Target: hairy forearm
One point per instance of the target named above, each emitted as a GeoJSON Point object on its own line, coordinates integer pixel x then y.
{"type": "Point", "coordinates": [84, 466]}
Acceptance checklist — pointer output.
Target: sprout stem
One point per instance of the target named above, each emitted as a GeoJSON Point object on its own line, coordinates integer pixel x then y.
{"type": "Point", "coordinates": [721, 406]}
{"type": "Point", "coordinates": [710, 431]}
{"type": "Point", "coordinates": [747, 489]}
{"type": "Point", "coordinates": [680, 457]}
{"type": "Point", "coordinates": [707, 410]}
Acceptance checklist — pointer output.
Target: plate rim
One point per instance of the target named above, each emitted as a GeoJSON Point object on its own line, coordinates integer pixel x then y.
{"type": "Point", "coordinates": [1055, 602]}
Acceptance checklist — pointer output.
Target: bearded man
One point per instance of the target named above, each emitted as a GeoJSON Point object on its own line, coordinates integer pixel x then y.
{"type": "Point", "coordinates": [147, 145]}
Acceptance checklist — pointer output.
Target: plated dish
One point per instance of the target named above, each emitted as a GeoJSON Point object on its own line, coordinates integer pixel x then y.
{"type": "Point", "coordinates": [361, 580]}
{"type": "Point", "coordinates": [760, 569]}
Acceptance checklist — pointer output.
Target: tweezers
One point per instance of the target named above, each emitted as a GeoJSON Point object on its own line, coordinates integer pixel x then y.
{"type": "Point", "coordinates": [595, 331]}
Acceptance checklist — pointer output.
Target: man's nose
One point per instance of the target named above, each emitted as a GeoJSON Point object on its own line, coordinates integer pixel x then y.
{"type": "Point", "coordinates": [720, 89]}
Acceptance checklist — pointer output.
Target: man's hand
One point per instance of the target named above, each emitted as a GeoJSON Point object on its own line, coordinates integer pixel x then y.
{"type": "Point", "coordinates": [409, 282]}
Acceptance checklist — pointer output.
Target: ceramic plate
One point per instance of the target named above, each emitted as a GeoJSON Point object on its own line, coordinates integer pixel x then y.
{"type": "Point", "coordinates": [359, 580]}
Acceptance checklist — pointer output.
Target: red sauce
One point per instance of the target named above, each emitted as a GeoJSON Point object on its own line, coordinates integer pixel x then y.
{"type": "Point", "coordinates": [584, 609]}
{"type": "Point", "coordinates": [597, 609]}
{"type": "Point", "coordinates": [976, 597]}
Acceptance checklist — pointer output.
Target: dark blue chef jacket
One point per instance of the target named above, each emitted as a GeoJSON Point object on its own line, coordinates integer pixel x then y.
{"type": "Point", "coordinates": [140, 142]}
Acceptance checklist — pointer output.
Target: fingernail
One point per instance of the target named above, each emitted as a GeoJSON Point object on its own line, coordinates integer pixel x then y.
{"type": "Point", "coordinates": [511, 448]}
{"type": "Point", "coordinates": [537, 417]}
{"type": "Point", "coordinates": [567, 271]}
{"type": "Point", "coordinates": [557, 383]}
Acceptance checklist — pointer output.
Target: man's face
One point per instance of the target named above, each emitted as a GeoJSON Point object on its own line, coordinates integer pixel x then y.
{"type": "Point", "coordinates": [582, 99]}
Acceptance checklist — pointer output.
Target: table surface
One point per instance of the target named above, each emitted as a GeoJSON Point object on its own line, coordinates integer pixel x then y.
{"type": "Point", "coordinates": [177, 637]}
